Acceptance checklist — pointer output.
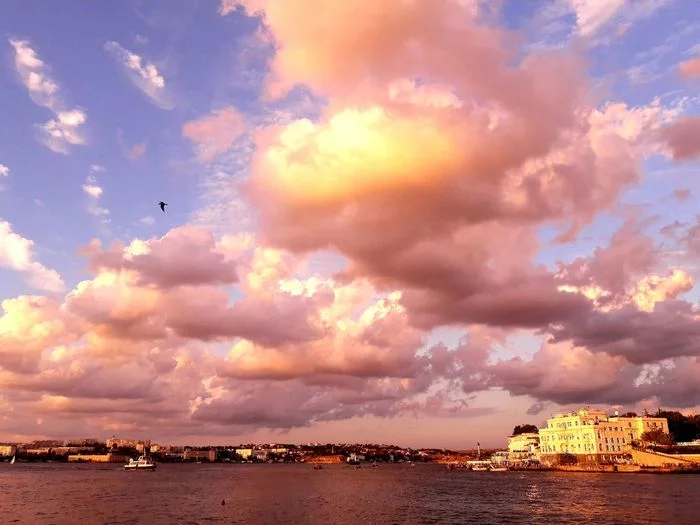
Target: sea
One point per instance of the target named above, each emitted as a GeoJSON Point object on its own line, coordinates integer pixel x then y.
{"type": "Point", "coordinates": [60, 493]}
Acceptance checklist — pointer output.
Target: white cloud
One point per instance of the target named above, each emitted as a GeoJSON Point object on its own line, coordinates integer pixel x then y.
{"type": "Point", "coordinates": [94, 193]}
{"type": "Point", "coordinates": [592, 15]}
{"type": "Point", "coordinates": [17, 253]}
{"type": "Point", "coordinates": [142, 73]}
{"type": "Point", "coordinates": [58, 133]}
{"type": "Point", "coordinates": [599, 22]}
{"type": "Point", "coordinates": [96, 168]}
{"type": "Point", "coordinates": [63, 130]}
{"type": "Point", "coordinates": [148, 220]}
{"type": "Point", "coordinates": [4, 170]}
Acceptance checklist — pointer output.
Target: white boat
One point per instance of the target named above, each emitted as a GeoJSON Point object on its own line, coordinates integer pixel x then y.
{"type": "Point", "coordinates": [142, 463]}
{"type": "Point", "coordinates": [479, 465]}
{"type": "Point", "coordinates": [12, 461]}
{"type": "Point", "coordinates": [498, 468]}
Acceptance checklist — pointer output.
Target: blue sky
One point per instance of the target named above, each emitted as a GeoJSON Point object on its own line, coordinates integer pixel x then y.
{"type": "Point", "coordinates": [132, 145]}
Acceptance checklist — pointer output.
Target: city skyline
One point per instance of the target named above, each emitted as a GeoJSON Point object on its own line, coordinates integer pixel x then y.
{"type": "Point", "coordinates": [418, 223]}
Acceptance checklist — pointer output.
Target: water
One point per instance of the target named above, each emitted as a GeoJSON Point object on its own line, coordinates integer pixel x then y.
{"type": "Point", "coordinates": [391, 494]}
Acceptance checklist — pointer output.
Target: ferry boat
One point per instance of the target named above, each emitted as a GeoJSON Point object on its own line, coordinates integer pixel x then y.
{"type": "Point", "coordinates": [142, 463]}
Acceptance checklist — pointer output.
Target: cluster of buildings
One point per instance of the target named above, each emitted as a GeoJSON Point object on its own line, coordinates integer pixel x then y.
{"type": "Point", "coordinates": [119, 450]}
{"type": "Point", "coordinates": [584, 436]}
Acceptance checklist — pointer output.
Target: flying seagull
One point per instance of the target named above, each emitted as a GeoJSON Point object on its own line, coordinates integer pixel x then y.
{"type": "Point", "coordinates": [162, 205]}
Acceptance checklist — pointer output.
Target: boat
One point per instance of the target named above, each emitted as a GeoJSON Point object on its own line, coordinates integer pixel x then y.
{"type": "Point", "coordinates": [479, 465]}
{"type": "Point", "coordinates": [318, 467]}
{"type": "Point", "coordinates": [12, 461]}
{"type": "Point", "coordinates": [142, 463]}
{"type": "Point", "coordinates": [498, 468]}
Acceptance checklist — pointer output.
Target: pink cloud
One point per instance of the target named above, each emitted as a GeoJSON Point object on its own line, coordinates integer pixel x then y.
{"type": "Point", "coordinates": [682, 138]}
{"type": "Point", "coordinates": [690, 68]}
{"type": "Point", "coordinates": [216, 133]}
{"type": "Point", "coordinates": [432, 177]}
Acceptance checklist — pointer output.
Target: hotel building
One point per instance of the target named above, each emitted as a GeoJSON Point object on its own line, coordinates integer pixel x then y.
{"type": "Point", "coordinates": [592, 436]}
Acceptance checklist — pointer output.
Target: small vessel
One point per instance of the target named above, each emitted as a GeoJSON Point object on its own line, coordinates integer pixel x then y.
{"type": "Point", "coordinates": [142, 463]}
{"type": "Point", "coordinates": [12, 461]}
{"type": "Point", "coordinates": [479, 465]}
{"type": "Point", "coordinates": [318, 467]}
{"type": "Point", "coordinates": [498, 468]}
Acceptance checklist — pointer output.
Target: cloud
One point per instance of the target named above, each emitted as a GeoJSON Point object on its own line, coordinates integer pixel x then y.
{"type": "Point", "coordinates": [63, 131]}
{"type": "Point", "coordinates": [137, 151]}
{"type": "Point", "coordinates": [418, 193]}
{"type": "Point", "coordinates": [592, 15]}
{"type": "Point", "coordinates": [143, 74]}
{"type": "Point", "coordinates": [94, 193]}
{"type": "Point", "coordinates": [215, 133]}
{"type": "Point", "coordinates": [4, 170]}
{"type": "Point", "coordinates": [690, 68]}
{"type": "Point", "coordinates": [683, 138]}
{"type": "Point", "coordinates": [17, 253]}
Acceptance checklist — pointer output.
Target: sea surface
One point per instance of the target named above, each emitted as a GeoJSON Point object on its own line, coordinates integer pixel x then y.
{"type": "Point", "coordinates": [58, 493]}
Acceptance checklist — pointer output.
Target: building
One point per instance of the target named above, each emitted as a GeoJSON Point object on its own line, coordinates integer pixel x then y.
{"type": "Point", "coordinates": [522, 447]}
{"type": "Point", "coordinates": [7, 450]}
{"type": "Point", "coordinates": [98, 458]}
{"type": "Point", "coordinates": [127, 443]}
{"type": "Point", "coordinates": [245, 453]}
{"type": "Point", "coordinates": [209, 455]}
{"type": "Point", "coordinates": [591, 436]}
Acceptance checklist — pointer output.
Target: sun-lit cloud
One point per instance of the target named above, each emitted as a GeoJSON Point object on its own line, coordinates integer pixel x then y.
{"type": "Point", "coordinates": [377, 228]}
{"type": "Point", "coordinates": [17, 253]}
{"type": "Point", "coordinates": [142, 73]}
{"type": "Point", "coordinates": [4, 171]}
{"type": "Point", "coordinates": [65, 129]}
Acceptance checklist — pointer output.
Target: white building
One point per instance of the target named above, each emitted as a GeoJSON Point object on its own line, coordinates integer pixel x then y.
{"type": "Point", "coordinates": [524, 446]}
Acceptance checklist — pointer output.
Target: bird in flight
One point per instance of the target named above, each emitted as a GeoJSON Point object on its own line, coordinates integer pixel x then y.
{"type": "Point", "coordinates": [162, 205]}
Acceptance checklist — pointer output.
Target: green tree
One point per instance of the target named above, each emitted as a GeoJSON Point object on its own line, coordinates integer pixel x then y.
{"type": "Point", "coordinates": [524, 429]}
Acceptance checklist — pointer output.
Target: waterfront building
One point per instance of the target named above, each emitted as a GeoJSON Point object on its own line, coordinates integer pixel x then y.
{"type": "Point", "coordinates": [245, 453]}
{"type": "Point", "coordinates": [7, 450]}
{"type": "Point", "coordinates": [592, 436]}
{"type": "Point", "coordinates": [209, 455]}
{"type": "Point", "coordinates": [523, 447]}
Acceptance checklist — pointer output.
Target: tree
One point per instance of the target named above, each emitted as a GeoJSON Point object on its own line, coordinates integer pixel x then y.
{"type": "Point", "coordinates": [629, 414]}
{"type": "Point", "coordinates": [525, 429]}
{"type": "Point", "coordinates": [657, 437]}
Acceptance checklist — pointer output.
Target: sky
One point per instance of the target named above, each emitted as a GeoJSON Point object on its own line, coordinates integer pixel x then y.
{"type": "Point", "coordinates": [419, 223]}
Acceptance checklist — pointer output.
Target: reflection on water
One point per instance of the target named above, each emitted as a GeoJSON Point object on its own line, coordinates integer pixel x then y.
{"type": "Point", "coordinates": [60, 493]}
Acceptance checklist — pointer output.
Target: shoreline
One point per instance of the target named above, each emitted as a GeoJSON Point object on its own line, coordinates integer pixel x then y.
{"type": "Point", "coordinates": [594, 469]}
